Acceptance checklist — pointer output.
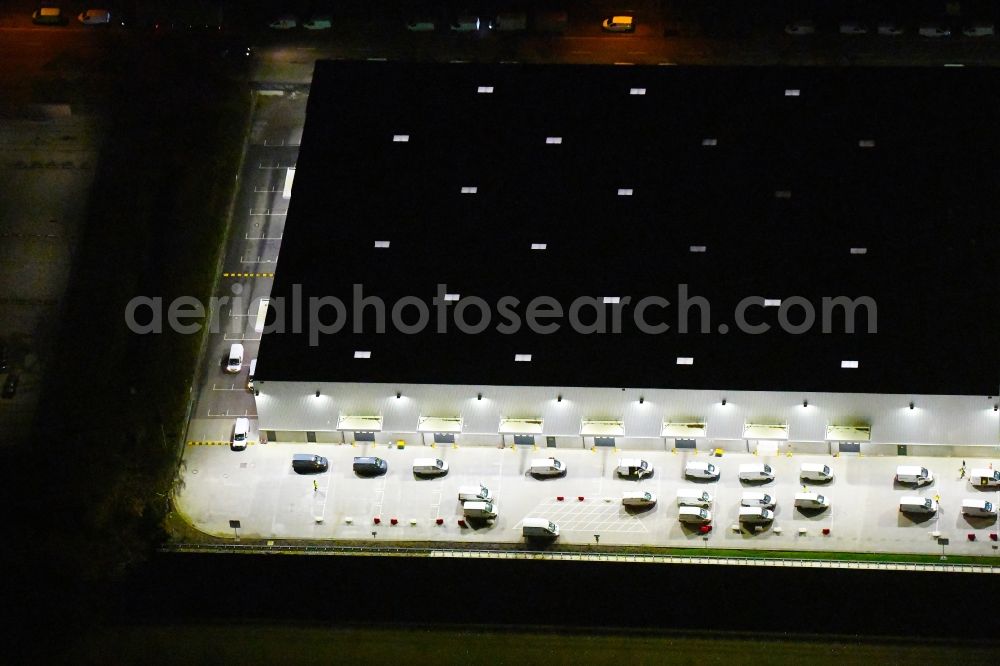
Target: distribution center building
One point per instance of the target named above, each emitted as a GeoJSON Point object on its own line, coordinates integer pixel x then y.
{"type": "Point", "coordinates": [640, 257]}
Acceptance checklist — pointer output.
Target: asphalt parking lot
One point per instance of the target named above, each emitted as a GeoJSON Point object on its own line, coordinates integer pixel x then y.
{"type": "Point", "coordinates": [259, 488]}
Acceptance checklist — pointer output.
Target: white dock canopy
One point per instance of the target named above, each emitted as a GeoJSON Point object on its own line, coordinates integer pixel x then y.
{"type": "Point", "coordinates": [848, 433]}
{"type": "Point", "coordinates": [765, 431]}
{"type": "Point", "coordinates": [360, 423]}
{"type": "Point", "coordinates": [602, 428]}
{"type": "Point", "coordinates": [520, 427]}
{"type": "Point", "coordinates": [684, 430]}
{"type": "Point", "coordinates": [439, 424]}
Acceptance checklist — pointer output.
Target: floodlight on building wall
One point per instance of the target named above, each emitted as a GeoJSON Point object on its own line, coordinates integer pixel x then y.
{"type": "Point", "coordinates": [805, 403]}
{"type": "Point", "coordinates": [398, 395]}
{"type": "Point", "coordinates": [911, 404]}
{"type": "Point", "coordinates": [479, 396]}
{"type": "Point", "coordinates": [723, 402]}
{"type": "Point", "coordinates": [641, 400]}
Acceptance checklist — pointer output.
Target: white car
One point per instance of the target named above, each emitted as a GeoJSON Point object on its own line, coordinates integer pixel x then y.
{"type": "Point", "coordinates": [815, 472]}
{"type": "Point", "coordinates": [420, 25]}
{"type": "Point", "coordinates": [546, 467]}
{"type": "Point", "coordinates": [697, 469]}
{"type": "Point", "coordinates": [803, 27]}
{"type": "Point", "coordinates": [811, 501]}
{"type": "Point", "coordinates": [286, 22]}
{"type": "Point", "coordinates": [853, 28]}
{"type": "Point", "coordinates": [890, 28]}
{"type": "Point", "coordinates": [318, 23]}
{"type": "Point", "coordinates": [757, 498]}
{"type": "Point", "coordinates": [241, 430]}
{"type": "Point", "coordinates": [934, 31]}
{"type": "Point", "coordinates": [234, 362]}
{"type": "Point", "coordinates": [638, 498]}
{"type": "Point", "coordinates": [619, 24]}
{"type": "Point", "coordinates": [978, 30]}
{"type": "Point", "coordinates": [465, 23]}
{"type": "Point", "coordinates": [95, 17]}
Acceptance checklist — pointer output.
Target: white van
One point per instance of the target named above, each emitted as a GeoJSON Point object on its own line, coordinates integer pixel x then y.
{"type": "Point", "coordinates": [697, 469]}
{"type": "Point", "coordinates": [979, 507]}
{"type": "Point", "coordinates": [318, 23]}
{"type": "Point", "coordinates": [634, 467]}
{"type": "Point", "coordinates": [914, 474]}
{"type": "Point", "coordinates": [430, 466]}
{"type": "Point", "coordinates": [479, 510]}
{"type": "Point", "coordinates": [815, 472]}
{"type": "Point", "coordinates": [234, 363]}
{"type": "Point", "coordinates": [478, 493]}
{"type": "Point", "coordinates": [757, 498]}
{"type": "Point", "coordinates": [914, 504]}
{"type": "Point", "coordinates": [756, 472]}
{"type": "Point", "coordinates": [755, 515]}
{"type": "Point", "coordinates": [258, 324]}
{"type": "Point", "coordinates": [546, 467]}
{"type": "Point", "coordinates": [811, 501]}
{"type": "Point", "coordinates": [984, 477]}
{"type": "Point", "coordinates": [638, 498]}
{"type": "Point", "coordinates": [539, 527]}
{"type": "Point", "coordinates": [694, 514]}
{"type": "Point", "coordinates": [693, 497]}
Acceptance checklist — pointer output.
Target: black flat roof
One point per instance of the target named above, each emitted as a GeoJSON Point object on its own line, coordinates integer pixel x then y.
{"type": "Point", "coordinates": [763, 169]}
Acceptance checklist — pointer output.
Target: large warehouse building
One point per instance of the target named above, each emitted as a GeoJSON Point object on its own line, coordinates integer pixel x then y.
{"type": "Point", "coordinates": [640, 257]}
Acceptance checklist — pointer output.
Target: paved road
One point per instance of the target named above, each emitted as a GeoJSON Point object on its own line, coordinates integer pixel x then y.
{"type": "Point", "coordinates": [259, 488]}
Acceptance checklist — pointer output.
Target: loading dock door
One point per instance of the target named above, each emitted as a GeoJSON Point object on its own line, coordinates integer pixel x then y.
{"type": "Point", "coordinates": [524, 440]}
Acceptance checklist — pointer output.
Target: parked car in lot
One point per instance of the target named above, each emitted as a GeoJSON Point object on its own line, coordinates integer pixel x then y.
{"type": "Point", "coordinates": [234, 362]}
{"type": "Point", "coordinates": [487, 510]}
{"type": "Point", "coordinates": [694, 514]}
{"type": "Point", "coordinates": [694, 497]}
{"type": "Point", "coordinates": [10, 386]}
{"type": "Point", "coordinates": [241, 431]}
{"type": "Point", "coordinates": [979, 507]}
{"type": "Point", "coordinates": [634, 467]}
{"type": "Point", "coordinates": [478, 493]}
{"type": "Point", "coordinates": [915, 504]}
{"type": "Point", "coordinates": [801, 27]}
{"type": "Point", "coordinates": [309, 463]}
{"type": "Point", "coordinates": [285, 22]}
{"type": "Point", "coordinates": [370, 466]}
{"type": "Point", "coordinates": [3, 357]}
{"type": "Point", "coordinates": [811, 501]}
{"type": "Point", "coordinates": [815, 472]}
{"type": "Point", "coordinates": [321, 22]}
{"type": "Point", "coordinates": [638, 498]}
{"type": "Point", "coordinates": [757, 498]}
{"type": "Point", "coordinates": [934, 31]}
{"type": "Point", "coordinates": [619, 24]}
{"type": "Point", "coordinates": [978, 30]}
{"type": "Point", "coordinates": [546, 467]}
{"type": "Point", "coordinates": [853, 28]}
{"type": "Point", "coordinates": [95, 17]}
{"type": "Point", "coordinates": [422, 24]}
{"type": "Point", "coordinates": [760, 472]}
{"type": "Point", "coordinates": [890, 29]}
{"type": "Point", "coordinates": [984, 477]}
{"type": "Point", "coordinates": [697, 469]}
{"type": "Point", "coordinates": [755, 515]}
{"type": "Point", "coordinates": [48, 16]}
{"type": "Point", "coordinates": [914, 475]}
{"type": "Point", "coordinates": [429, 467]}
{"type": "Point", "coordinates": [464, 23]}
{"type": "Point", "coordinates": [539, 527]}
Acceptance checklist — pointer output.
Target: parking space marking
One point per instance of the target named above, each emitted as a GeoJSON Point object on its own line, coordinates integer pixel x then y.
{"type": "Point", "coordinates": [267, 212]}
{"type": "Point", "coordinates": [209, 442]}
{"type": "Point", "coordinates": [267, 189]}
{"type": "Point", "coordinates": [276, 165]}
{"type": "Point", "coordinates": [599, 515]}
{"type": "Point", "coordinates": [227, 415]}
{"type": "Point", "coordinates": [278, 144]}
{"type": "Point", "coordinates": [258, 260]}
{"type": "Point", "coordinates": [248, 275]}
{"type": "Point", "coordinates": [232, 387]}
{"type": "Point", "coordinates": [436, 503]}
{"type": "Point", "coordinates": [279, 237]}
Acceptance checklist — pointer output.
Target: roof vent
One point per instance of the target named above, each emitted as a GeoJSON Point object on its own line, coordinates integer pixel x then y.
{"type": "Point", "coordinates": [848, 364]}
{"type": "Point", "coordinates": [624, 191]}
{"type": "Point", "coordinates": [772, 302]}
{"type": "Point", "coordinates": [553, 139]}
{"type": "Point", "coordinates": [698, 248]}
{"type": "Point", "coordinates": [866, 143]}
{"type": "Point", "coordinates": [612, 299]}
{"type": "Point", "coordinates": [539, 246]}
{"type": "Point", "coordinates": [382, 244]}
{"type": "Point", "coordinates": [469, 190]}
{"type": "Point", "coordinates": [685, 360]}
{"type": "Point", "coordinates": [484, 89]}
{"type": "Point", "coordinates": [636, 91]}
{"type": "Point", "coordinates": [522, 357]}
{"type": "Point", "coordinates": [400, 138]}
{"type": "Point", "coordinates": [791, 92]}
{"type": "Point", "coordinates": [451, 297]}
{"type": "Point", "coordinates": [362, 354]}
{"type": "Point", "coordinates": [859, 250]}
{"type": "Point", "coordinates": [709, 142]}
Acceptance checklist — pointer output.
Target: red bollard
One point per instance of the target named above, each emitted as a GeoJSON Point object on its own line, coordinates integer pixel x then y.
{"type": "Point", "coordinates": [972, 537]}
{"type": "Point", "coordinates": [377, 520]}
{"type": "Point", "coordinates": [993, 536]}
{"type": "Point", "coordinates": [826, 531]}
{"type": "Point", "coordinates": [580, 498]}
{"type": "Point", "coordinates": [560, 498]}
{"type": "Point", "coordinates": [393, 521]}
{"type": "Point", "coordinates": [440, 521]}
{"type": "Point", "coordinates": [461, 523]}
